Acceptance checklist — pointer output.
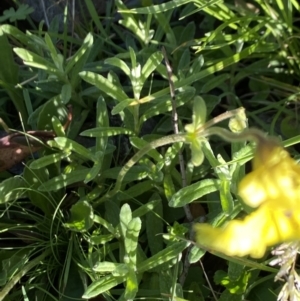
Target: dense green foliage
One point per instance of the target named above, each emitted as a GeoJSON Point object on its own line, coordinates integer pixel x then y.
{"type": "Point", "coordinates": [73, 223]}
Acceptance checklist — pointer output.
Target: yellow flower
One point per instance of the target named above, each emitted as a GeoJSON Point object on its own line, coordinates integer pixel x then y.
{"type": "Point", "coordinates": [273, 187]}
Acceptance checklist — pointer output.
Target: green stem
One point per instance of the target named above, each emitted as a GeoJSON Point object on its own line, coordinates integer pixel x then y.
{"type": "Point", "coordinates": [248, 134]}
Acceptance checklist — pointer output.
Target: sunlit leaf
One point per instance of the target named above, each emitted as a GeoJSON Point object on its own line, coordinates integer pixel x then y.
{"type": "Point", "coordinates": [82, 217]}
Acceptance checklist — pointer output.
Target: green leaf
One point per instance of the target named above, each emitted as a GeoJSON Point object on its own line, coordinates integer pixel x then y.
{"type": "Point", "coordinates": [58, 127]}
{"type": "Point", "coordinates": [106, 132]}
{"type": "Point", "coordinates": [155, 9]}
{"type": "Point", "coordinates": [36, 61]}
{"type": "Point", "coordinates": [82, 217]}
{"type": "Point", "coordinates": [148, 207]}
{"type": "Point", "coordinates": [131, 285]}
{"type": "Point", "coordinates": [122, 105]}
{"type": "Point", "coordinates": [38, 198]}
{"type": "Point", "coordinates": [78, 60]}
{"type": "Point", "coordinates": [155, 226]}
{"type": "Point", "coordinates": [195, 254]}
{"type": "Point", "coordinates": [235, 287]}
{"type": "Point", "coordinates": [139, 143]}
{"type": "Point", "coordinates": [20, 14]}
{"type": "Point", "coordinates": [64, 180]}
{"type": "Point", "coordinates": [151, 64]}
{"type": "Point", "coordinates": [9, 75]}
{"type": "Point", "coordinates": [197, 153]}
{"type": "Point", "coordinates": [95, 170]}
{"type": "Point", "coordinates": [169, 253]}
{"type": "Point", "coordinates": [46, 112]}
{"type": "Point", "coordinates": [105, 224]}
{"type": "Point", "coordinates": [193, 192]}
{"type": "Point", "coordinates": [70, 145]}
{"type": "Point", "coordinates": [66, 93]}
{"type": "Point", "coordinates": [164, 104]}
{"type": "Point", "coordinates": [135, 190]}
{"type": "Point", "coordinates": [115, 61]}
{"type": "Point", "coordinates": [12, 189]}
{"type": "Point", "coordinates": [102, 285]}
{"type": "Point", "coordinates": [73, 283]}
{"type": "Point", "coordinates": [135, 173]}
{"type": "Point", "coordinates": [220, 65]}
{"type": "Point", "coordinates": [47, 160]}
{"type": "Point", "coordinates": [226, 197]}
{"type": "Point", "coordinates": [131, 239]}
{"type": "Point", "coordinates": [87, 44]}
{"type": "Point", "coordinates": [184, 61]}
{"type": "Point", "coordinates": [169, 188]}
{"type": "Point", "coordinates": [16, 33]}
{"type": "Point", "coordinates": [103, 85]}
{"type": "Point", "coordinates": [199, 113]}
{"type": "Point", "coordinates": [102, 121]}
{"type": "Point", "coordinates": [105, 266]}
{"type": "Point", "coordinates": [215, 82]}
{"type": "Point", "coordinates": [125, 218]}
{"type": "Point", "coordinates": [58, 62]}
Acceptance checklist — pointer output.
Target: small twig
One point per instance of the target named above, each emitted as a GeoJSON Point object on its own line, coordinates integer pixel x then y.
{"type": "Point", "coordinates": [208, 282]}
{"type": "Point", "coordinates": [187, 210]}
{"type": "Point", "coordinates": [45, 13]}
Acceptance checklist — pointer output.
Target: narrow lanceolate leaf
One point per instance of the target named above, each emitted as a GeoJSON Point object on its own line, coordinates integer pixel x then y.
{"type": "Point", "coordinates": [105, 266]}
{"type": "Point", "coordinates": [106, 132]}
{"type": "Point", "coordinates": [34, 60]}
{"type": "Point", "coordinates": [9, 73]}
{"type": "Point", "coordinates": [164, 103]}
{"type": "Point", "coordinates": [12, 189]}
{"type": "Point", "coordinates": [103, 84]}
{"type": "Point", "coordinates": [131, 285]}
{"type": "Point", "coordinates": [58, 127]}
{"type": "Point", "coordinates": [87, 43]}
{"type": "Point", "coordinates": [195, 191]}
{"type": "Point", "coordinates": [101, 122]}
{"type": "Point", "coordinates": [95, 170]}
{"type": "Point", "coordinates": [139, 143]}
{"type": "Point", "coordinates": [135, 190]}
{"type": "Point", "coordinates": [70, 145]}
{"type": "Point", "coordinates": [163, 256]}
{"type": "Point", "coordinates": [155, 226]}
{"type": "Point", "coordinates": [50, 159]}
{"type": "Point", "coordinates": [115, 61]}
{"type": "Point", "coordinates": [226, 197]}
{"type": "Point", "coordinates": [155, 9]}
{"type": "Point", "coordinates": [53, 52]}
{"type": "Point", "coordinates": [215, 82]}
{"type": "Point", "coordinates": [153, 61]}
{"type": "Point", "coordinates": [102, 285]}
{"type": "Point", "coordinates": [125, 218]}
{"type": "Point", "coordinates": [64, 180]}
{"type": "Point", "coordinates": [148, 207]}
{"type": "Point", "coordinates": [131, 239]}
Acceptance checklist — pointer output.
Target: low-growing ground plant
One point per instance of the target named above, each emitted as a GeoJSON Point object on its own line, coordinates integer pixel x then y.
{"type": "Point", "coordinates": [163, 96]}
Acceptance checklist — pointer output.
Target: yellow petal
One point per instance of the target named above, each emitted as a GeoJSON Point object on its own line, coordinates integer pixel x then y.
{"type": "Point", "coordinates": [252, 236]}
{"type": "Point", "coordinates": [273, 187]}
{"type": "Point", "coordinates": [276, 177]}
{"type": "Point", "coordinates": [236, 238]}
